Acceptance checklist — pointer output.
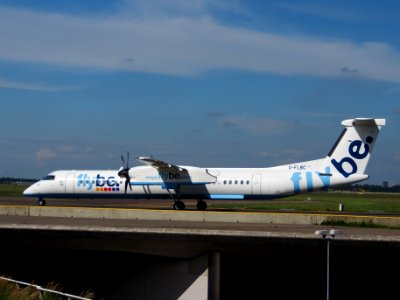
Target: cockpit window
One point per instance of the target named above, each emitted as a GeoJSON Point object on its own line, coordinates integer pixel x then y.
{"type": "Point", "coordinates": [49, 177]}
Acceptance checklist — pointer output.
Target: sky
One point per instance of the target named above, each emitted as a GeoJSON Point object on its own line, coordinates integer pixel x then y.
{"type": "Point", "coordinates": [208, 83]}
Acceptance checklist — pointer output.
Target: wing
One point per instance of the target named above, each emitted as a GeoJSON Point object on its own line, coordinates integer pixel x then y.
{"type": "Point", "coordinates": [169, 175]}
{"type": "Point", "coordinates": [159, 164]}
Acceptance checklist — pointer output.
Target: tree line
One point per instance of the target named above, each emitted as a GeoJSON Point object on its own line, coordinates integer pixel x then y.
{"type": "Point", "coordinates": [11, 180]}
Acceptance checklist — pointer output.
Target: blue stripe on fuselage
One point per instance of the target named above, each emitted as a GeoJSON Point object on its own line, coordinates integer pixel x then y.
{"type": "Point", "coordinates": [226, 197]}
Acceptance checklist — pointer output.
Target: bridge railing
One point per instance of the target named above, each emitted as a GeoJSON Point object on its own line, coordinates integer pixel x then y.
{"type": "Point", "coordinates": [43, 290]}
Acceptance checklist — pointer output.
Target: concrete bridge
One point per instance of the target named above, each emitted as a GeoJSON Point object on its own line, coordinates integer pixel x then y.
{"type": "Point", "coordinates": [147, 254]}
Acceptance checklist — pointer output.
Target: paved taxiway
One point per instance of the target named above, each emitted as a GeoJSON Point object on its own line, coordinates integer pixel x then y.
{"type": "Point", "coordinates": [116, 203]}
{"type": "Point", "coordinates": [127, 215]}
{"type": "Point", "coordinates": [292, 230]}
{"type": "Point", "coordinates": [159, 205]}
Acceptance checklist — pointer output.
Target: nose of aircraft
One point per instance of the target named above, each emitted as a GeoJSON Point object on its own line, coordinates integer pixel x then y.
{"type": "Point", "coordinates": [30, 191]}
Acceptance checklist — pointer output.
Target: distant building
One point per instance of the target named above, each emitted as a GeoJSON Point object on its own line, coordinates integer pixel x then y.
{"type": "Point", "coordinates": [385, 184]}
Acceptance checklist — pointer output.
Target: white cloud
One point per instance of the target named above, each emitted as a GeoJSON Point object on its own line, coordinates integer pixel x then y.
{"type": "Point", "coordinates": [252, 124]}
{"type": "Point", "coordinates": [10, 84]}
{"type": "Point", "coordinates": [44, 154]}
{"type": "Point", "coordinates": [62, 152]}
{"type": "Point", "coordinates": [182, 46]}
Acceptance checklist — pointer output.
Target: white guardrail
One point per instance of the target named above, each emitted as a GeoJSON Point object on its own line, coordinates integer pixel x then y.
{"type": "Point", "coordinates": [42, 289]}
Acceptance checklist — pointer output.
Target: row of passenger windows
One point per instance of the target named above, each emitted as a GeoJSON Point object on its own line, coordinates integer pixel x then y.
{"type": "Point", "coordinates": [241, 182]}
{"type": "Point", "coordinates": [236, 182]}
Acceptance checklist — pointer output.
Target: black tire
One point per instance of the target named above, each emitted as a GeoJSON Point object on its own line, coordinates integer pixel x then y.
{"type": "Point", "coordinates": [41, 202]}
{"type": "Point", "coordinates": [179, 205]}
{"type": "Point", "coordinates": [201, 205]}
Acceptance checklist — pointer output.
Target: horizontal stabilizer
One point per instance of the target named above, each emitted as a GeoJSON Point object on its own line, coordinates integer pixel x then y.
{"type": "Point", "coordinates": [364, 122]}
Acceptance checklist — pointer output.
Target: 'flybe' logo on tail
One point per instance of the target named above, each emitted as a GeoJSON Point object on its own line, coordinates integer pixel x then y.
{"type": "Point", "coordinates": [357, 150]}
{"type": "Point", "coordinates": [101, 183]}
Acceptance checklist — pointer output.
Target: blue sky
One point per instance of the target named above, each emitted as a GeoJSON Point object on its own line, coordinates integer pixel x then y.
{"type": "Point", "coordinates": [205, 82]}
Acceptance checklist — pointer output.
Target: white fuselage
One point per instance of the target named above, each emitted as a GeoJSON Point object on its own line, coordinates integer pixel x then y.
{"type": "Point", "coordinates": [228, 183]}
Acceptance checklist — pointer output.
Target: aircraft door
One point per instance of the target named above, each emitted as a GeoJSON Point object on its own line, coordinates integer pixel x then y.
{"type": "Point", "coordinates": [256, 184]}
{"type": "Point", "coordinates": [69, 183]}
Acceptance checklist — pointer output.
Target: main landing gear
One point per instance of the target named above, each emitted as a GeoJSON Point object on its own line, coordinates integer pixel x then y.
{"type": "Point", "coordinates": [180, 205]}
{"type": "Point", "coordinates": [201, 204]}
{"type": "Point", "coordinates": [41, 202]}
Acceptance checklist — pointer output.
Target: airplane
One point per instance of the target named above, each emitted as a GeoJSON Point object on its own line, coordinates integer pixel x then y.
{"type": "Point", "coordinates": [345, 163]}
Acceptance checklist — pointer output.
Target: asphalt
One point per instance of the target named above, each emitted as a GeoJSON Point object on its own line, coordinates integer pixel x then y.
{"type": "Point", "coordinates": [108, 215]}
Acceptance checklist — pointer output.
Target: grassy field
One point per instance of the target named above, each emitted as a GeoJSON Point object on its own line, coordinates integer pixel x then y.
{"type": "Point", "coordinates": [318, 201]}
{"type": "Point", "coordinates": [12, 189]}
{"type": "Point", "coordinates": [323, 202]}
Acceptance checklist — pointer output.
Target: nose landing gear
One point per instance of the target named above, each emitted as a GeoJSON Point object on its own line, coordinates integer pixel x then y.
{"type": "Point", "coordinates": [41, 202]}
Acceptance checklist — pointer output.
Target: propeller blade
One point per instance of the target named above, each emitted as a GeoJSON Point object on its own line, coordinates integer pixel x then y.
{"type": "Point", "coordinates": [124, 171]}
{"type": "Point", "coordinates": [126, 185]}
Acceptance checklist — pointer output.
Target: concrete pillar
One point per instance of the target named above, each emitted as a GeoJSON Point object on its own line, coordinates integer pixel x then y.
{"type": "Point", "coordinates": [214, 275]}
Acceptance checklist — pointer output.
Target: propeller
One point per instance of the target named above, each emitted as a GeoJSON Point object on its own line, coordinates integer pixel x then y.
{"type": "Point", "coordinates": [124, 171]}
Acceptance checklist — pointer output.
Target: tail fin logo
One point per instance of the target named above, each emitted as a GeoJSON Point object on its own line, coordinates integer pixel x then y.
{"type": "Point", "coordinates": [357, 150]}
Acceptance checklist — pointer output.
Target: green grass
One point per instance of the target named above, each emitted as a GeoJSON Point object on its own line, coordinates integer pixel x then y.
{"type": "Point", "coordinates": [356, 224]}
{"type": "Point", "coordinates": [323, 202]}
{"type": "Point", "coordinates": [11, 190]}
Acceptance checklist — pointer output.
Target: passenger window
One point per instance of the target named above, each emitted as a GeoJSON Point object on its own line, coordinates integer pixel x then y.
{"type": "Point", "coordinates": [236, 182]}
{"type": "Point", "coordinates": [230, 181]}
{"type": "Point", "coordinates": [224, 181]}
{"type": "Point", "coordinates": [241, 181]}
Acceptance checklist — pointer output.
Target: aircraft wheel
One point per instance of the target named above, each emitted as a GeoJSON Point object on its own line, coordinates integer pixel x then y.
{"type": "Point", "coordinates": [179, 205]}
{"type": "Point", "coordinates": [41, 202]}
{"type": "Point", "coordinates": [201, 205]}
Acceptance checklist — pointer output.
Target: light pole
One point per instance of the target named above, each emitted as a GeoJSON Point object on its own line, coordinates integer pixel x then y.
{"type": "Point", "coordinates": [328, 236]}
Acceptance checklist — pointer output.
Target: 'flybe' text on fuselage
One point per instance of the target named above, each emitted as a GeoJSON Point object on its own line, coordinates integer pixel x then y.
{"type": "Point", "coordinates": [166, 176]}
{"type": "Point", "coordinates": [99, 182]}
